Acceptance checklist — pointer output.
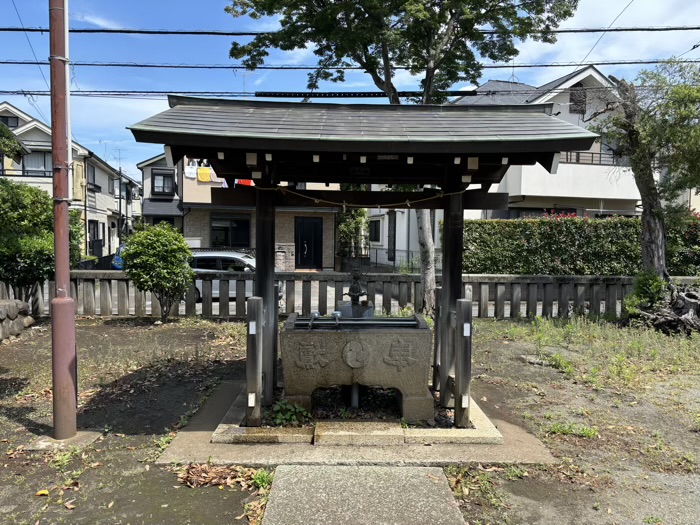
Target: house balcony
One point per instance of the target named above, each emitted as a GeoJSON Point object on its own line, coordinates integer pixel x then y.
{"type": "Point", "coordinates": [594, 176]}
{"type": "Point", "coordinates": [26, 173]}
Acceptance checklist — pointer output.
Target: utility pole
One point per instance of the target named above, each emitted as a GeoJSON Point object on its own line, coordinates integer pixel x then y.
{"type": "Point", "coordinates": [63, 346]}
{"type": "Point", "coordinates": [121, 222]}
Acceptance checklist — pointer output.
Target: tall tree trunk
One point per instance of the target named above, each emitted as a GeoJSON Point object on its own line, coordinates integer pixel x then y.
{"type": "Point", "coordinates": [642, 163]}
{"type": "Point", "coordinates": [427, 259]}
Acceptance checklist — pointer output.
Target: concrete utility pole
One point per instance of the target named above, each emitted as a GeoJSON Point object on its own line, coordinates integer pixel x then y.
{"type": "Point", "coordinates": [64, 354]}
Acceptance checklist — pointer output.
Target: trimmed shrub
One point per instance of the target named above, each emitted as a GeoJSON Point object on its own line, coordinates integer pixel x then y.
{"type": "Point", "coordinates": [569, 245]}
{"type": "Point", "coordinates": [157, 259]}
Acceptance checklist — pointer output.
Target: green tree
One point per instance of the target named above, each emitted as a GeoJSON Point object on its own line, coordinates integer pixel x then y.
{"type": "Point", "coordinates": [655, 122]}
{"type": "Point", "coordinates": [437, 40]}
{"type": "Point", "coordinates": [9, 146]}
{"type": "Point", "coordinates": [26, 244]}
{"type": "Point", "coordinates": [157, 259]}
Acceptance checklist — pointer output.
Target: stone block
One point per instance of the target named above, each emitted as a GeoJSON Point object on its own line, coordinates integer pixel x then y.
{"type": "Point", "coordinates": [3, 311]}
{"type": "Point", "coordinates": [372, 356]}
{"type": "Point", "coordinates": [27, 321]}
{"type": "Point", "coordinates": [4, 329]}
{"type": "Point", "coordinates": [23, 308]}
{"type": "Point", "coordinates": [11, 309]}
{"type": "Point", "coordinates": [236, 434]}
{"type": "Point", "coordinates": [358, 433]}
{"type": "Point", "coordinates": [16, 326]}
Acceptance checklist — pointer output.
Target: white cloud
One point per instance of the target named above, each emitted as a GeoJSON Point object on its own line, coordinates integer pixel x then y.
{"type": "Point", "coordinates": [95, 20]}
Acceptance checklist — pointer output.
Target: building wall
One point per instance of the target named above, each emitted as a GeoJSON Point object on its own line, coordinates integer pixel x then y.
{"type": "Point", "coordinates": [197, 232]}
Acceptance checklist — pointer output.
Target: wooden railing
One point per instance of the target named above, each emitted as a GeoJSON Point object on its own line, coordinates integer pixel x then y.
{"type": "Point", "coordinates": [110, 293]}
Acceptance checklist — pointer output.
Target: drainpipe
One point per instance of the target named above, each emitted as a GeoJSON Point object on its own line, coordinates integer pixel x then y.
{"type": "Point", "coordinates": [85, 206]}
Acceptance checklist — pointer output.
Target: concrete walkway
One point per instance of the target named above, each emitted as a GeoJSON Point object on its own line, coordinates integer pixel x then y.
{"type": "Point", "coordinates": [320, 495]}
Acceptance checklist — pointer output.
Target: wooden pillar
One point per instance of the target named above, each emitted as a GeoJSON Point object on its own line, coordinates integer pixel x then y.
{"type": "Point", "coordinates": [452, 247]}
{"type": "Point", "coordinates": [265, 280]}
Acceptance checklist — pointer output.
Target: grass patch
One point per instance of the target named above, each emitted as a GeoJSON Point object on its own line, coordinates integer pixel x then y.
{"type": "Point", "coordinates": [572, 429]}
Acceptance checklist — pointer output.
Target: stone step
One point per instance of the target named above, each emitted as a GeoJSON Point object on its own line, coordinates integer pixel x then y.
{"type": "Point", "coordinates": [361, 495]}
{"type": "Point", "coordinates": [358, 433]}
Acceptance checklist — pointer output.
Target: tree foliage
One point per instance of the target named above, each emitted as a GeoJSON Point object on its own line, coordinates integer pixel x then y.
{"type": "Point", "coordinates": [9, 146]}
{"type": "Point", "coordinates": [157, 259]}
{"type": "Point", "coordinates": [26, 243]}
{"type": "Point", "coordinates": [440, 42]}
{"type": "Point", "coordinates": [655, 122]}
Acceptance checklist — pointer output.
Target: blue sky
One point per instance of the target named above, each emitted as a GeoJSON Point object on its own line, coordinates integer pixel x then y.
{"type": "Point", "coordinates": [100, 123]}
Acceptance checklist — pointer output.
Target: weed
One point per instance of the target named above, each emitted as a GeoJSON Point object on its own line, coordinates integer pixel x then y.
{"type": "Point", "coordinates": [285, 414]}
{"type": "Point", "coordinates": [262, 479]}
{"type": "Point", "coordinates": [404, 423]}
{"type": "Point", "coordinates": [596, 505]}
{"type": "Point", "coordinates": [344, 413]}
{"type": "Point", "coordinates": [163, 442]}
{"type": "Point", "coordinates": [559, 362]}
{"type": "Point", "coordinates": [572, 429]}
{"type": "Point", "coordinates": [514, 472]}
{"type": "Point", "coordinates": [652, 520]}
{"type": "Point", "coordinates": [696, 423]}
{"type": "Point", "coordinates": [62, 458]}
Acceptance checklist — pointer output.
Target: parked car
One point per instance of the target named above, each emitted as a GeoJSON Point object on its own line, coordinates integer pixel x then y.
{"type": "Point", "coordinates": [213, 262]}
{"type": "Point", "coordinates": [117, 261]}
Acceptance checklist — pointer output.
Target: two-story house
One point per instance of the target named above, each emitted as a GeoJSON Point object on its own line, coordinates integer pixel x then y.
{"type": "Point", "coordinates": [182, 196]}
{"type": "Point", "coordinates": [93, 182]}
{"type": "Point", "coordinates": [594, 183]}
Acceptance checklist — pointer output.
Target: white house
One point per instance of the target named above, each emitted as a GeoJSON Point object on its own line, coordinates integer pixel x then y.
{"type": "Point", "coordinates": [106, 213]}
{"type": "Point", "coordinates": [594, 183]}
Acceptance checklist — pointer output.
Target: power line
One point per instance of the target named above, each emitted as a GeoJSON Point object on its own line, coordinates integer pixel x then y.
{"type": "Point", "coordinates": [212, 32]}
{"type": "Point", "coordinates": [606, 30]}
{"type": "Point", "coordinates": [152, 94]}
{"type": "Point", "coordinates": [21, 23]}
{"type": "Point", "coordinates": [296, 67]}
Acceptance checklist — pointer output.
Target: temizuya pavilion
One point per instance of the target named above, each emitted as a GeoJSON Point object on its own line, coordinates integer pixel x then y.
{"type": "Point", "coordinates": [457, 152]}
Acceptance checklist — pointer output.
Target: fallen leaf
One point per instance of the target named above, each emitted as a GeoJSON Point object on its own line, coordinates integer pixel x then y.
{"type": "Point", "coordinates": [69, 504]}
{"type": "Point", "coordinates": [110, 504]}
{"type": "Point", "coordinates": [42, 492]}
{"type": "Point", "coordinates": [148, 467]}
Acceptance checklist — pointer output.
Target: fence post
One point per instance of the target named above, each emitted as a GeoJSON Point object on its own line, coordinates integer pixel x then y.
{"type": "Point", "coordinates": [105, 297]}
{"type": "Point", "coordinates": [484, 300]}
{"type": "Point", "coordinates": [500, 310]}
{"type": "Point", "coordinates": [240, 297]}
{"type": "Point", "coordinates": [207, 298]}
{"type": "Point", "coordinates": [531, 310]}
{"type": "Point", "coordinates": [139, 303]}
{"type": "Point", "coordinates": [611, 301]}
{"type": "Point", "coordinates": [386, 297]}
{"type": "Point", "coordinates": [223, 297]}
{"type": "Point", "coordinates": [563, 300]}
{"type": "Point", "coordinates": [515, 300]}
{"type": "Point", "coordinates": [191, 301]}
{"type": "Point", "coordinates": [306, 297]}
{"type": "Point", "coordinates": [123, 298]}
{"type": "Point", "coordinates": [548, 300]}
{"type": "Point", "coordinates": [254, 366]}
{"type": "Point", "coordinates": [323, 297]}
{"type": "Point", "coordinates": [463, 373]}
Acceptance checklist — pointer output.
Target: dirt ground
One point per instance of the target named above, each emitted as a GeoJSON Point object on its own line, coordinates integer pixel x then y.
{"type": "Point", "coordinates": [620, 409]}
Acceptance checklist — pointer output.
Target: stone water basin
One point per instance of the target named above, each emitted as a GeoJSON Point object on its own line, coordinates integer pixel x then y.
{"type": "Point", "coordinates": [381, 352]}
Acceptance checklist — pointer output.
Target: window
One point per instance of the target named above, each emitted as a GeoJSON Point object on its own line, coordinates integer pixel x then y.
{"type": "Point", "coordinates": [169, 220]}
{"type": "Point", "coordinates": [230, 232]}
{"type": "Point", "coordinates": [37, 164]}
{"type": "Point", "coordinates": [391, 251]}
{"type": "Point", "coordinates": [10, 122]}
{"type": "Point", "coordinates": [206, 263]}
{"type": "Point", "coordinates": [577, 99]}
{"type": "Point", "coordinates": [375, 228]}
{"type": "Point", "coordinates": [163, 181]}
{"type": "Point", "coordinates": [233, 265]}
{"type": "Point", "coordinates": [91, 185]}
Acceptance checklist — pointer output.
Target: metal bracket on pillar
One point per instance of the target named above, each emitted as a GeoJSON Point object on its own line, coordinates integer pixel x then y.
{"type": "Point", "coordinates": [254, 363]}
{"type": "Point", "coordinates": [463, 350]}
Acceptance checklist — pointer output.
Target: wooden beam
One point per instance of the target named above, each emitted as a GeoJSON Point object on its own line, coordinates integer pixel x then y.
{"type": "Point", "coordinates": [246, 196]}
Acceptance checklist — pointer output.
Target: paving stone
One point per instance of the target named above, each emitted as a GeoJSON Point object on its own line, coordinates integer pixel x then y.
{"type": "Point", "coordinates": [321, 495]}
{"type": "Point", "coordinates": [235, 434]}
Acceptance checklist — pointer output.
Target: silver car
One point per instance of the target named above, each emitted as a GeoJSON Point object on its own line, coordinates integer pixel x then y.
{"type": "Point", "coordinates": [214, 262]}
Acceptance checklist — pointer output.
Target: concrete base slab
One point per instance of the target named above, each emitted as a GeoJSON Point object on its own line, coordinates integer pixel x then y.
{"type": "Point", "coordinates": [484, 432]}
{"type": "Point", "coordinates": [81, 439]}
{"type": "Point", "coordinates": [358, 433]}
{"type": "Point", "coordinates": [193, 445]}
{"type": "Point", "coordinates": [308, 495]}
{"type": "Point", "coordinates": [235, 434]}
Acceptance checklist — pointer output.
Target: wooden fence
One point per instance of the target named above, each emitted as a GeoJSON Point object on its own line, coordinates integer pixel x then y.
{"type": "Point", "coordinates": [110, 293]}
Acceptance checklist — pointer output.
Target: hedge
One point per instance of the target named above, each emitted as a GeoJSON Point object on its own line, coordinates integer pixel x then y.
{"type": "Point", "coordinates": [566, 245]}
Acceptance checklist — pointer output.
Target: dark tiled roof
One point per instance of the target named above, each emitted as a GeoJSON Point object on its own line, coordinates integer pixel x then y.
{"type": "Point", "coordinates": [498, 92]}
{"type": "Point", "coordinates": [360, 127]}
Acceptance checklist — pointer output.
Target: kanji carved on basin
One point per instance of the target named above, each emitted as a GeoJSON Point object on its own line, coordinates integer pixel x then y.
{"type": "Point", "coordinates": [382, 352]}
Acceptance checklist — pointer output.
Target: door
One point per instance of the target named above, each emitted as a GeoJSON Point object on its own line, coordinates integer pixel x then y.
{"type": "Point", "coordinates": [308, 241]}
